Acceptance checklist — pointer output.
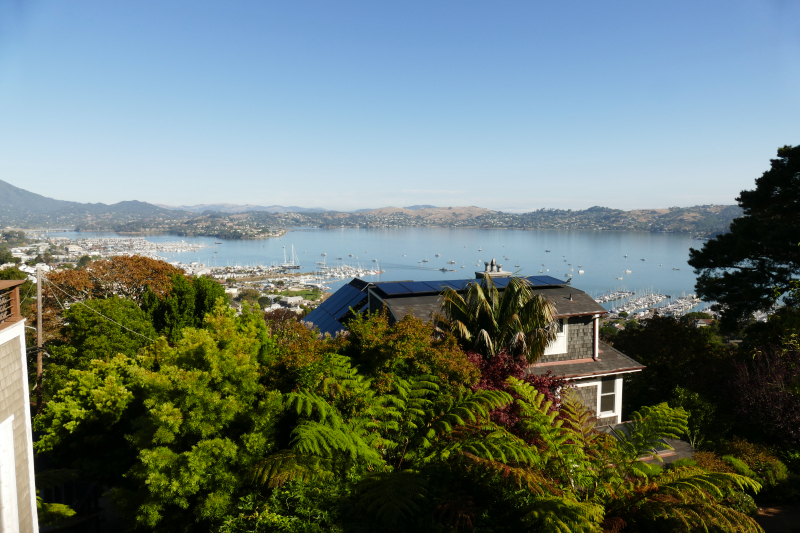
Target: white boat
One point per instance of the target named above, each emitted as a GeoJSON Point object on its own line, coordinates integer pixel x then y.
{"type": "Point", "coordinates": [424, 260]}
{"type": "Point", "coordinates": [451, 262]}
{"type": "Point", "coordinates": [580, 271]}
{"type": "Point", "coordinates": [619, 278]}
{"type": "Point", "coordinates": [627, 271]}
{"type": "Point", "coordinates": [438, 255]}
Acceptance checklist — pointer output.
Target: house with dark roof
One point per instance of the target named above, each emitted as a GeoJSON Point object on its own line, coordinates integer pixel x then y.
{"type": "Point", "coordinates": [595, 369]}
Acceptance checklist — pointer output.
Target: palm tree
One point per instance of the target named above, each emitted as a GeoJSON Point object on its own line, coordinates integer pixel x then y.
{"type": "Point", "coordinates": [488, 321]}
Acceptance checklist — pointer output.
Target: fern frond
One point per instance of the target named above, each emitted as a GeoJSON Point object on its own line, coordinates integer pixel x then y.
{"type": "Point", "coordinates": [523, 478]}
{"type": "Point", "coordinates": [563, 515]}
{"type": "Point", "coordinates": [644, 434]}
{"type": "Point", "coordinates": [286, 465]}
{"type": "Point", "coordinates": [314, 438]}
{"type": "Point", "coordinates": [392, 496]}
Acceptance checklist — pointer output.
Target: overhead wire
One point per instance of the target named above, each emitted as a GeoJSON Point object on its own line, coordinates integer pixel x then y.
{"type": "Point", "coordinates": [98, 312]}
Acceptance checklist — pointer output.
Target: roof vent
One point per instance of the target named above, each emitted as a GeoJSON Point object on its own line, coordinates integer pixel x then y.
{"type": "Point", "coordinates": [570, 297]}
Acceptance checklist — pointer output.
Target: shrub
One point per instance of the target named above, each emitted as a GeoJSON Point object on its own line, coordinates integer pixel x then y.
{"type": "Point", "coordinates": [742, 502]}
{"type": "Point", "coordinates": [768, 469]}
{"type": "Point", "coordinates": [712, 462]}
{"type": "Point", "coordinates": [739, 466]}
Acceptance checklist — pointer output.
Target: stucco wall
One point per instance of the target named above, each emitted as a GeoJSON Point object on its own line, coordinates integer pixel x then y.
{"type": "Point", "coordinates": [14, 400]}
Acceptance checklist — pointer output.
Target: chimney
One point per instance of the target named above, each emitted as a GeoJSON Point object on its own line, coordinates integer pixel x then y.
{"type": "Point", "coordinates": [570, 297]}
{"type": "Point", "coordinates": [487, 266]}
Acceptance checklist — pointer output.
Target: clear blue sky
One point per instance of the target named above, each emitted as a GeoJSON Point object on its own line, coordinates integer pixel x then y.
{"type": "Point", "coordinates": [345, 104]}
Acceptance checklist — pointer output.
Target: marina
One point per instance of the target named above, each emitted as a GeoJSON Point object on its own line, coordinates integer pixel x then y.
{"type": "Point", "coordinates": [599, 257]}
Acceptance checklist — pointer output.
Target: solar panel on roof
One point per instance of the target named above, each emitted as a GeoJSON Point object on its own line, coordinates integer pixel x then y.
{"type": "Point", "coordinates": [345, 306]}
{"type": "Point", "coordinates": [417, 286]}
{"type": "Point", "coordinates": [501, 283]}
{"type": "Point", "coordinates": [436, 286]}
{"type": "Point", "coordinates": [392, 289]}
{"type": "Point", "coordinates": [459, 284]}
{"type": "Point", "coordinates": [546, 280]}
{"type": "Point", "coordinates": [338, 297]}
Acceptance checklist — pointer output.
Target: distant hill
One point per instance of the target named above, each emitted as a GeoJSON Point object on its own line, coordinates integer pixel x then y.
{"type": "Point", "coordinates": [244, 208]}
{"type": "Point", "coordinates": [431, 212]}
{"type": "Point", "coordinates": [19, 207]}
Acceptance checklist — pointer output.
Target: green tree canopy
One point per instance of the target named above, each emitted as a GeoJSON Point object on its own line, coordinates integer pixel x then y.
{"type": "Point", "coordinates": [742, 270]}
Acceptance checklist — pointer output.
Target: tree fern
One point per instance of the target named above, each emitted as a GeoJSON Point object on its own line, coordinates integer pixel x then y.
{"type": "Point", "coordinates": [564, 515]}
{"type": "Point", "coordinates": [392, 496]}
{"type": "Point", "coordinates": [644, 434]}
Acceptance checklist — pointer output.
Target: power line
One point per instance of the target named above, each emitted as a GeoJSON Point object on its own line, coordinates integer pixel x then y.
{"type": "Point", "coordinates": [98, 312]}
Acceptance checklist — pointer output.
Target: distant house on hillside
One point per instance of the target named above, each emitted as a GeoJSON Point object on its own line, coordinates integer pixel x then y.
{"type": "Point", "coordinates": [17, 487]}
{"type": "Point", "coordinates": [595, 368]}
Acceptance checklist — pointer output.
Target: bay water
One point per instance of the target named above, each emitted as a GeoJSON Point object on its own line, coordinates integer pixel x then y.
{"type": "Point", "coordinates": [399, 252]}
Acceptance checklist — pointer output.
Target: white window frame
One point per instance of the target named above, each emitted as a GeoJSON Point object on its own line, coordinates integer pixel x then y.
{"type": "Point", "coordinates": [560, 344]}
{"type": "Point", "coordinates": [617, 400]}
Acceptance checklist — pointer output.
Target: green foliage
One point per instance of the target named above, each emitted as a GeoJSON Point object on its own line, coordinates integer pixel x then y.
{"type": "Point", "coordinates": [704, 422]}
{"type": "Point", "coordinates": [250, 295]}
{"type": "Point", "coordinates": [740, 501]}
{"type": "Point", "coordinates": [407, 348]}
{"type": "Point", "coordinates": [739, 466]}
{"type": "Point", "coordinates": [185, 306]}
{"type": "Point", "coordinates": [193, 421]}
{"type": "Point", "coordinates": [742, 269]}
{"type": "Point", "coordinates": [762, 465]}
{"type": "Point", "coordinates": [246, 426]}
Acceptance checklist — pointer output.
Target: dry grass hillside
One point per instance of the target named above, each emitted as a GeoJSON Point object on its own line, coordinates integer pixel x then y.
{"type": "Point", "coordinates": [435, 213]}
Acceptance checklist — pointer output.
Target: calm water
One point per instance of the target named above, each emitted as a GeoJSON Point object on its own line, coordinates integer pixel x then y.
{"type": "Point", "coordinates": [398, 250]}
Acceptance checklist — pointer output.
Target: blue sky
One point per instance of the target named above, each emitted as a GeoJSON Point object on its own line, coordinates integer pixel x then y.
{"type": "Point", "coordinates": [347, 105]}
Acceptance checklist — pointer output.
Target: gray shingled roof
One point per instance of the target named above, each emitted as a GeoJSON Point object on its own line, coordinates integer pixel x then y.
{"type": "Point", "coordinates": [611, 361]}
{"type": "Point", "coordinates": [423, 307]}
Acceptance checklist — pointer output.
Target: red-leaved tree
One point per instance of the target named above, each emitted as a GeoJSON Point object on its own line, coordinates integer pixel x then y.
{"type": "Point", "coordinates": [495, 372]}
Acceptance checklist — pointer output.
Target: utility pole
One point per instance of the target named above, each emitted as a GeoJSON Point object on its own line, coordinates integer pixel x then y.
{"type": "Point", "coordinates": [38, 340]}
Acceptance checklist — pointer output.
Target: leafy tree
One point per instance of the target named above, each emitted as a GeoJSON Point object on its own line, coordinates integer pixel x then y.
{"type": "Point", "coordinates": [123, 276]}
{"type": "Point", "coordinates": [742, 269]}
{"type": "Point", "coordinates": [487, 321]}
{"type": "Point", "coordinates": [6, 257]}
{"type": "Point", "coordinates": [95, 330]}
{"type": "Point", "coordinates": [767, 393]}
{"type": "Point", "coordinates": [15, 237]}
{"type": "Point", "coordinates": [185, 424]}
{"type": "Point", "coordinates": [674, 354]}
{"type": "Point", "coordinates": [407, 348]}
{"type": "Point", "coordinates": [185, 305]}
{"type": "Point", "coordinates": [249, 295]}
{"type": "Point", "coordinates": [83, 261]}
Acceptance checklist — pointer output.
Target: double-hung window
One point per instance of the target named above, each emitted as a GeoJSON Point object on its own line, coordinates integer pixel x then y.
{"type": "Point", "coordinates": [608, 397]}
{"type": "Point", "coordinates": [559, 345]}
